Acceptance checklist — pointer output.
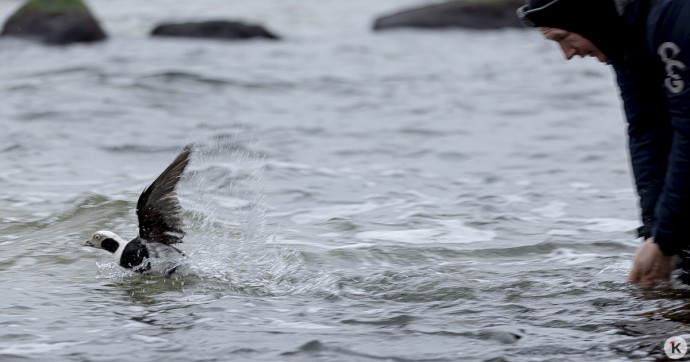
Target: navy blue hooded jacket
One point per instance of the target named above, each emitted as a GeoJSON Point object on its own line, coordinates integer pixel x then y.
{"type": "Point", "coordinates": [654, 82]}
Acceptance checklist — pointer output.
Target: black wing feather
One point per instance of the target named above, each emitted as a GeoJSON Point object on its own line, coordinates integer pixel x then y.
{"type": "Point", "coordinates": [158, 209]}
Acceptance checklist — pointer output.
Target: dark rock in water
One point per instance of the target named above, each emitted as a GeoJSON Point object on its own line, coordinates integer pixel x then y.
{"type": "Point", "coordinates": [54, 22]}
{"type": "Point", "coordinates": [220, 29]}
{"type": "Point", "coordinates": [473, 14]}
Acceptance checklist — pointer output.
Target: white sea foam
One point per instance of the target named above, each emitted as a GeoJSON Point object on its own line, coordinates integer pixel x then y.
{"type": "Point", "coordinates": [555, 209]}
{"type": "Point", "coordinates": [562, 232]}
{"type": "Point", "coordinates": [299, 325]}
{"type": "Point", "coordinates": [580, 185]}
{"type": "Point", "coordinates": [617, 267]}
{"type": "Point", "coordinates": [567, 256]}
{"type": "Point", "coordinates": [321, 214]}
{"type": "Point", "coordinates": [608, 225]}
{"type": "Point", "coordinates": [149, 339]}
{"type": "Point", "coordinates": [411, 236]}
{"type": "Point", "coordinates": [36, 348]}
{"type": "Point", "coordinates": [515, 199]}
{"type": "Point", "coordinates": [323, 245]}
{"type": "Point", "coordinates": [450, 232]}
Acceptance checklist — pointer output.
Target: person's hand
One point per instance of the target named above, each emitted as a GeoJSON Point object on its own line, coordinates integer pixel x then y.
{"type": "Point", "coordinates": [650, 264]}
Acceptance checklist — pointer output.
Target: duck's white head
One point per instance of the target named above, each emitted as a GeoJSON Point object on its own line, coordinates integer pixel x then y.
{"type": "Point", "coordinates": [106, 240]}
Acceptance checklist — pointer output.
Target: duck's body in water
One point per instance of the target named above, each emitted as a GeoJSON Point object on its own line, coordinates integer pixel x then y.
{"type": "Point", "coordinates": [160, 226]}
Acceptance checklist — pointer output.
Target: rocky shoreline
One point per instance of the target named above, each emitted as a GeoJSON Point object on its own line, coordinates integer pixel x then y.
{"type": "Point", "coordinates": [62, 22]}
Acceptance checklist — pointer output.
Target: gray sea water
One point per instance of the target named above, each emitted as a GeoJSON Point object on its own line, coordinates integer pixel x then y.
{"type": "Point", "coordinates": [356, 196]}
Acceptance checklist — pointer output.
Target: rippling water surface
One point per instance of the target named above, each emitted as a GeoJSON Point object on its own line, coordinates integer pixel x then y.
{"type": "Point", "coordinates": [400, 196]}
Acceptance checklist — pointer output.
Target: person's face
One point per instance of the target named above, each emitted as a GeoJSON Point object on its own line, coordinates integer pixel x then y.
{"type": "Point", "coordinates": [573, 44]}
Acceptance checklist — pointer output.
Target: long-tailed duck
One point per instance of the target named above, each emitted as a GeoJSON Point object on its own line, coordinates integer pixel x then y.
{"type": "Point", "coordinates": [160, 226]}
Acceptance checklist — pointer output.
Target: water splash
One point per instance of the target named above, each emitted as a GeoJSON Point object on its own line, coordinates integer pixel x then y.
{"type": "Point", "coordinates": [228, 241]}
{"type": "Point", "coordinates": [229, 245]}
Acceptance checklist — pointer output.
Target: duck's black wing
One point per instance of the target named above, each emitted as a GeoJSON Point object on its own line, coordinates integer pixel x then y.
{"type": "Point", "coordinates": [158, 209]}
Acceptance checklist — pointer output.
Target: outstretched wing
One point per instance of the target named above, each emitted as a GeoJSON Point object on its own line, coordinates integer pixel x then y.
{"type": "Point", "coordinates": [158, 209]}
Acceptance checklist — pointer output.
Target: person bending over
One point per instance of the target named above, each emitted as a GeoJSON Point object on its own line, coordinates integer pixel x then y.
{"type": "Point", "coordinates": [647, 42]}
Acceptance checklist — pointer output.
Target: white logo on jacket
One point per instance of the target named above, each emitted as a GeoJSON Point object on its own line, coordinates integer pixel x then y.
{"type": "Point", "coordinates": [668, 52]}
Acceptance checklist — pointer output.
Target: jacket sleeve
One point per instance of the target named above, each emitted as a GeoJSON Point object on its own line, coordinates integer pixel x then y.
{"type": "Point", "coordinates": [649, 132]}
{"type": "Point", "coordinates": [670, 44]}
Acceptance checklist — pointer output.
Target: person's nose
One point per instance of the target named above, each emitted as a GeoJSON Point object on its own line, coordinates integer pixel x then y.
{"type": "Point", "coordinates": [569, 51]}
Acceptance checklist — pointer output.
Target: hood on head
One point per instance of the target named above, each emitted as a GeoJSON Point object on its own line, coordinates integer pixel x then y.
{"type": "Point", "coordinates": [597, 20]}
